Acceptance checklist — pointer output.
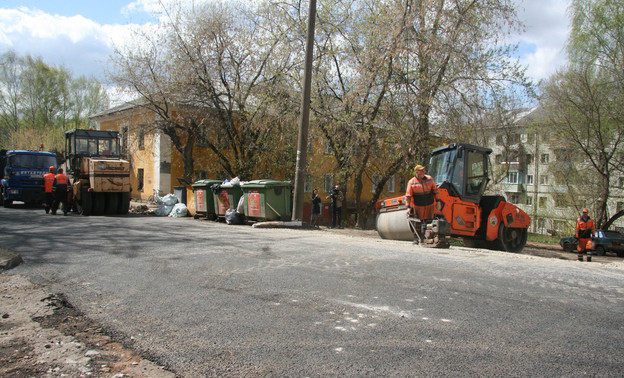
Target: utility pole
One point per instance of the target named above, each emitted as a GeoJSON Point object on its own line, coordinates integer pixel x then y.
{"type": "Point", "coordinates": [302, 144]}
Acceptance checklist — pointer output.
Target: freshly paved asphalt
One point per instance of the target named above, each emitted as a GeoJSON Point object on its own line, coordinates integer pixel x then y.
{"type": "Point", "coordinates": [205, 298]}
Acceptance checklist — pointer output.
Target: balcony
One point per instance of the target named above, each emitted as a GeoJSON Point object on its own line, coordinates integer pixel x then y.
{"type": "Point", "coordinates": [513, 188]}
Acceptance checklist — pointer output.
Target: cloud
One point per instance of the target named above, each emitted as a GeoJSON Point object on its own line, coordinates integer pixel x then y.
{"type": "Point", "coordinates": [547, 27]}
{"type": "Point", "coordinates": [79, 44]}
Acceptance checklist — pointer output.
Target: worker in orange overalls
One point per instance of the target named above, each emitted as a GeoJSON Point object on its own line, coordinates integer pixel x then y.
{"type": "Point", "coordinates": [584, 228]}
{"type": "Point", "coordinates": [59, 186]}
{"type": "Point", "coordinates": [48, 182]}
{"type": "Point", "coordinates": [421, 199]}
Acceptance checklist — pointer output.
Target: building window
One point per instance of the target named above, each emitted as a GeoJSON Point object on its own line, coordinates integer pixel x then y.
{"type": "Point", "coordinates": [513, 138]}
{"type": "Point", "coordinates": [391, 181]}
{"type": "Point", "coordinates": [500, 140]}
{"type": "Point", "coordinates": [123, 140]}
{"type": "Point", "coordinates": [512, 177]}
{"type": "Point", "coordinates": [529, 179]}
{"type": "Point", "coordinates": [531, 138]}
{"type": "Point", "coordinates": [202, 136]}
{"type": "Point", "coordinates": [530, 159]}
{"type": "Point", "coordinates": [141, 137]}
{"type": "Point", "coordinates": [620, 206]}
{"type": "Point", "coordinates": [514, 198]}
{"type": "Point", "coordinates": [529, 201]}
{"type": "Point", "coordinates": [621, 182]}
{"type": "Point", "coordinates": [328, 183]}
{"type": "Point", "coordinates": [498, 159]}
{"type": "Point", "coordinates": [307, 186]}
{"type": "Point", "coordinates": [402, 184]}
{"type": "Point", "coordinates": [561, 201]}
{"type": "Point", "coordinates": [544, 158]}
{"type": "Point", "coordinates": [375, 181]}
{"type": "Point", "coordinates": [140, 179]}
{"type": "Point", "coordinates": [543, 179]}
{"type": "Point", "coordinates": [543, 202]}
{"type": "Point", "coordinates": [199, 175]}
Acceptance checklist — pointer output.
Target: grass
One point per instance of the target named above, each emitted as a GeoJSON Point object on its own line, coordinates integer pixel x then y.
{"type": "Point", "coordinates": [537, 238]}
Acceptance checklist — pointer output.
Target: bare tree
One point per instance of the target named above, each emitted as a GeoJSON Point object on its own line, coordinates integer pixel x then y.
{"type": "Point", "coordinates": [215, 70]}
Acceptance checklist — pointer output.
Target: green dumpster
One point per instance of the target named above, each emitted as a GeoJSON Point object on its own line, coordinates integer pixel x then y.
{"type": "Point", "coordinates": [226, 196]}
{"type": "Point", "coordinates": [267, 200]}
{"type": "Point", "coordinates": [204, 198]}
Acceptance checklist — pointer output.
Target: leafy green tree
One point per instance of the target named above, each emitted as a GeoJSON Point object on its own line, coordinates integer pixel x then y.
{"type": "Point", "coordinates": [39, 102]}
{"type": "Point", "coordinates": [585, 102]}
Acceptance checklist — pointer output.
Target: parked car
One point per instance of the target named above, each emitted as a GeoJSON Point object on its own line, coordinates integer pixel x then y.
{"type": "Point", "coordinates": [603, 241]}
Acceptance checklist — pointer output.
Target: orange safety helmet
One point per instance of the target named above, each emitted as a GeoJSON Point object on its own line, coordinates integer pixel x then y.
{"type": "Point", "coordinates": [51, 169]}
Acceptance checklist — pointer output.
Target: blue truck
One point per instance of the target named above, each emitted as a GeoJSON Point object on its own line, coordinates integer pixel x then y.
{"type": "Point", "coordinates": [22, 175]}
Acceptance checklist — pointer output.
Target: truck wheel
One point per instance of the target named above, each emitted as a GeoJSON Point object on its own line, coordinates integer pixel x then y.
{"type": "Point", "coordinates": [600, 251]}
{"type": "Point", "coordinates": [124, 204]}
{"type": "Point", "coordinates": [512, 239]}
{"type": "Point", "coordinates": [112, 203]}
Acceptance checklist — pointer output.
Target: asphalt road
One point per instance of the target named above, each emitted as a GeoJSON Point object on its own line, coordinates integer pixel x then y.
{"type": "Point", "coordinates": [204, 298]}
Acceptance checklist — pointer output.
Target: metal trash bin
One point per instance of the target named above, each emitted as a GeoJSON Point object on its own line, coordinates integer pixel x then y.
{"type": "Point", "coordinates": [204, 198]}
{"type": "Point", "coordinates": [226, 196]}
{"type": "Point", "coordinates": [267, 200]}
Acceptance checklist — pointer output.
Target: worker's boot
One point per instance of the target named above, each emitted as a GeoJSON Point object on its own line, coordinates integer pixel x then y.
{"type": "Point", "coordinates": [589, 256]}
{"type": "Point", "coordinates": [580, 257]}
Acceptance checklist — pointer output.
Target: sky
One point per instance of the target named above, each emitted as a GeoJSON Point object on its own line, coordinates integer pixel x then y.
{"type": "Point", "coordinates": [80, 34]}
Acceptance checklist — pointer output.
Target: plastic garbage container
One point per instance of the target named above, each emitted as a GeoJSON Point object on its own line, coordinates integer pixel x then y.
{"type": "Point", "coordinates": [180, 193]}
{"type": "Point", "coordinates": [267, 200]}
{"type": "Point", "coordinates": [226, 196]}
{"type": "Point", "coordinates": [204, 198]}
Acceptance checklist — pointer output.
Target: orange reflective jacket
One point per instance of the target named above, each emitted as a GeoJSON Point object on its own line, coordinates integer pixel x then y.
{"type": "Point", "coordinates": [584, 228]}
{"type": "Point", "coordinates": [48, 180]}
{"type": "Point", "coordinates": [421, 192]}
{"type": "Point", "coordinates": [61, 179]}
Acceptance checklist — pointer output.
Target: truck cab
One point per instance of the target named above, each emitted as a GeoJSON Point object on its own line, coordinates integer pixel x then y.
{"type": "Point", "coordinates": [22, 175]}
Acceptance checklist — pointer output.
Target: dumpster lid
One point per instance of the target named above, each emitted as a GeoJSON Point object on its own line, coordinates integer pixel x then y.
{"type": "Point", "coordinates": [206, 182]}
{"type": "Point", "coordinates": [265, 184]}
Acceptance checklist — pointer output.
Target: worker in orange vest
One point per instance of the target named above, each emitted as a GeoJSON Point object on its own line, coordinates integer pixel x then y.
{"type": "Point", "coordinates": [60, 185]}
{"type": "Point", "coordinates": [48, 182]}
{"type": "Point", "coordinates": [422, 199]}
{"type": "Point", "coordinates": [584, 228]}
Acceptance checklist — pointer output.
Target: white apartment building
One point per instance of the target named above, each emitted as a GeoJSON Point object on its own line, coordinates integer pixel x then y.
{"type": "Point", "coordinates": [524, 166]}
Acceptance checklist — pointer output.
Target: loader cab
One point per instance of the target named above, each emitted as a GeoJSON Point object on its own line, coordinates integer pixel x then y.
{"type": "Point", "coordinates": [462, 169]}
